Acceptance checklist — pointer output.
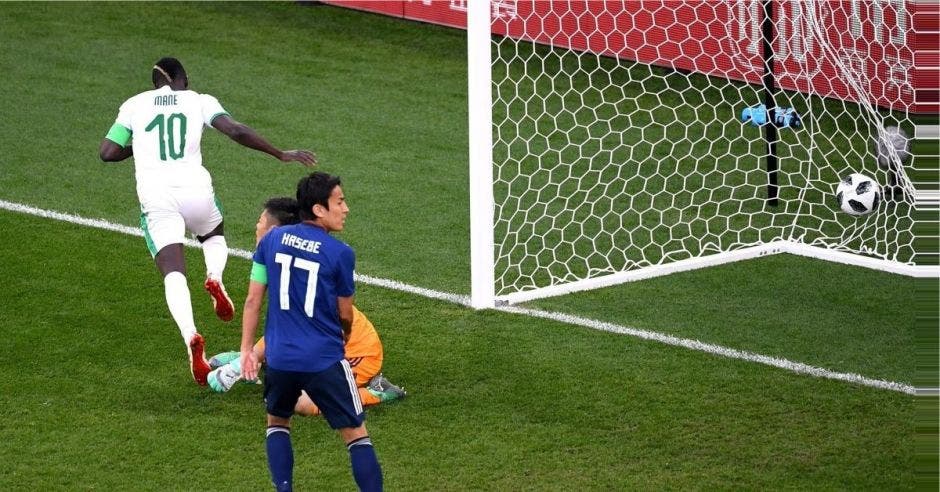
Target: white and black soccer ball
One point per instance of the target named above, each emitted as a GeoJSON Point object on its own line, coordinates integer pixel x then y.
{"type": "Point", "coordinates": [891, 142]}
{"type": "Point", "coordinates": [858, 194]}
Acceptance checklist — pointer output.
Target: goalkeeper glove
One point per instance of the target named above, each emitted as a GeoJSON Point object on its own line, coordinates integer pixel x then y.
{"type": "Point", "coordinates": [755, 115]}
{"type": "Point", "coordinates": [783, 117]}
{"type": "Point", "coordinates": [223, 378]}
{"type": "Point", "coordinates": [787, 118]}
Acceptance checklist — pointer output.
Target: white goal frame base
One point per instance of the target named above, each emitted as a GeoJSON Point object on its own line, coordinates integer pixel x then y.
{"type": "Point", "coordinates": [772, 248]}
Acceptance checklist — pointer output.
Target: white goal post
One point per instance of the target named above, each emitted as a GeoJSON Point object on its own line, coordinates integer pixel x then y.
{"type": "Point", "coordinates": [606, 141]}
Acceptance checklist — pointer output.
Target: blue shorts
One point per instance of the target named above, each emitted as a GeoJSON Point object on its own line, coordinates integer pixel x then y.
{"type": "Point", "coordinates": [332, 389]}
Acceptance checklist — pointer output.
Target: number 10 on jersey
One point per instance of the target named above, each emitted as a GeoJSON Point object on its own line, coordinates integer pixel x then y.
{"type": "Point", "coordinates": [170, 134]}
{"type": "Point", "coordinates": [311, 267]}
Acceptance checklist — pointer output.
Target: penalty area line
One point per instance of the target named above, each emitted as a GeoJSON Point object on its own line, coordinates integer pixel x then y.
{"type": "Point", "coordinates": [796, 367]}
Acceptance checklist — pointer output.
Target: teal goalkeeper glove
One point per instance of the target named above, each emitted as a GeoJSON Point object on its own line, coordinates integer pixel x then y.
{"type": "Point", "coordinates": [755, 115]}
{"type": "Point", "coordinates": [787, 118]}
{"type": "Point", "coordinates": [223, 378]}
{"type": "Point", "coordinates": [783, 117]}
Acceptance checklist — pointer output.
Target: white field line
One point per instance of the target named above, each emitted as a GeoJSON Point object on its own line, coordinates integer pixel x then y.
{"type": "Point", "coordinates": [381, 282]}
{"type": "Point", "coordinates": [718, 350]}
{"type": "Point", "coordinates": [797, 367]}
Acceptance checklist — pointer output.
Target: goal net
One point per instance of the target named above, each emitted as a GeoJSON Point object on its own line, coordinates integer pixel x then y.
{"type": "Point", "coordinates": [618, 150]}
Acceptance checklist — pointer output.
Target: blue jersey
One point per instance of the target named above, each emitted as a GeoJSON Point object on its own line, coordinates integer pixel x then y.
{"type": "Point", "coordinates": [307, 269]}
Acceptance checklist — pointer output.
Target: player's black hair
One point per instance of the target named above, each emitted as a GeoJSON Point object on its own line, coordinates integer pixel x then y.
{"type": "Point", "coordinates": [167, 67]}
{"type": "Point", "coordinates": [315, 190]}
{"type": "Point", "coordinates": [283, 209]}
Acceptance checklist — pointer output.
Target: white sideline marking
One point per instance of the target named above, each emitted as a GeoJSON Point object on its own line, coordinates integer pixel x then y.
{"type": "Point", "coordinates": [381, 282]}
{"type": "Point", "coordinates": [796, 367]}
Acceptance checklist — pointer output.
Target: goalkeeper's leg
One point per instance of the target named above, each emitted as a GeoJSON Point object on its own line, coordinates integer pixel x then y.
{"type": "Point", "coordinates": [306, 407]}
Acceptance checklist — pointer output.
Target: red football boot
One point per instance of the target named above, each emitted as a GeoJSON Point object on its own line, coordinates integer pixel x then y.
{"type": "Point", "coordinates": [222, 303]}
{"type": "Point", "coordinates": [197, 360]}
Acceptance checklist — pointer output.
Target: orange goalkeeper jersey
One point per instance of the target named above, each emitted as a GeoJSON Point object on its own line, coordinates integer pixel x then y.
{"type": "Point", "coordinates": [363, 340]}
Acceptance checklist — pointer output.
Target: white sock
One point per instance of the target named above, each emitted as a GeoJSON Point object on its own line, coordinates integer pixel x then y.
{"type": "Point", "coordinates": [215, 250]}
{"type": "Point", "coordinates": [181, 308]}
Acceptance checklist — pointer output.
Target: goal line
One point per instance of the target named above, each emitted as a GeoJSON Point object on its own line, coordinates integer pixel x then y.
{"type": "Point", "coordinates": [771, 248]}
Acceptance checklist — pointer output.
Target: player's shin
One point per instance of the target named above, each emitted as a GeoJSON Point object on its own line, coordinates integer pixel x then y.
{"type": "Point", "coordinates": [365, 464]}
{"type": "Point", "coordinates": [280, 457]}
{"type": "Point", "coordinates": [215, 250]}
{"type": "Point", "coordinates": [178, 300]}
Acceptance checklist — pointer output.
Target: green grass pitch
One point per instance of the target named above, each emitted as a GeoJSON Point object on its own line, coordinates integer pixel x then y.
{"type": "Point", "coordinates": [95, 392]}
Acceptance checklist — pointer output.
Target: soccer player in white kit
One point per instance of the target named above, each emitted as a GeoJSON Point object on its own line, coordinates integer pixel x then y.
{"type": "Point", "coordinates": [175, 190]}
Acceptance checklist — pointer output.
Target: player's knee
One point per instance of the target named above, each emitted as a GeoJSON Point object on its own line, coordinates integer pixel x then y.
{"type": "Point", "coordinates": [279, 421]}
{"type": "Point", "coordinates": [350, 434]}
{"type": "Point", "coordinates": [218, 231]}
{"type": "Point", "coordinates": [170, 259]}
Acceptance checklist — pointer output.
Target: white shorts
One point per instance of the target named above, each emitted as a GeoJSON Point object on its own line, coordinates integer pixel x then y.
{"type": "Point", "coordinates": [167, 214]}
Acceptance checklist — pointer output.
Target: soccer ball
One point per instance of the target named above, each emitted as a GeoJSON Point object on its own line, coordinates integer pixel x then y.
{"type": "Point", "coordinates": [890, 142]}
{"type": "Point", "coordinates": [858, 194]}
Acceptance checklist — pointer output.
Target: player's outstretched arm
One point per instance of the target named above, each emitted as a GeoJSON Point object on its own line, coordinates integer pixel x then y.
{"type": "Point", "coordinates": [246, 136]}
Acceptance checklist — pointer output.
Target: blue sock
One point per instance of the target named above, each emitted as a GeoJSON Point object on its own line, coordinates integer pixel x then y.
{"type": "Point", "coordinates": [365, 465]}
{"type": "Point", "coordinates": [280, 457]}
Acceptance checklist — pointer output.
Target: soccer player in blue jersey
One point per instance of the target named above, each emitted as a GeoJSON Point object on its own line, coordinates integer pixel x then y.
{"type": "Point", "coordinates": [308, 277]}
{"type": "Point", "coordinates": [364, 349]}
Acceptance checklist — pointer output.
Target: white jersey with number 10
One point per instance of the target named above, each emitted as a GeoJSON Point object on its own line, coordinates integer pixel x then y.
{"type": "Point", "coordinates": [166, 127]}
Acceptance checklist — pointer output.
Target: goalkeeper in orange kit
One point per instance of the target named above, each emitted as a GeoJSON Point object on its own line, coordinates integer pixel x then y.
{"type": "Point", "coordinates": [363, 349]}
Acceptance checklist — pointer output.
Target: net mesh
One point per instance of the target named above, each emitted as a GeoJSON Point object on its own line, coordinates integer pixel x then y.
{"type": "Point", "coordinates": [618, 143]}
